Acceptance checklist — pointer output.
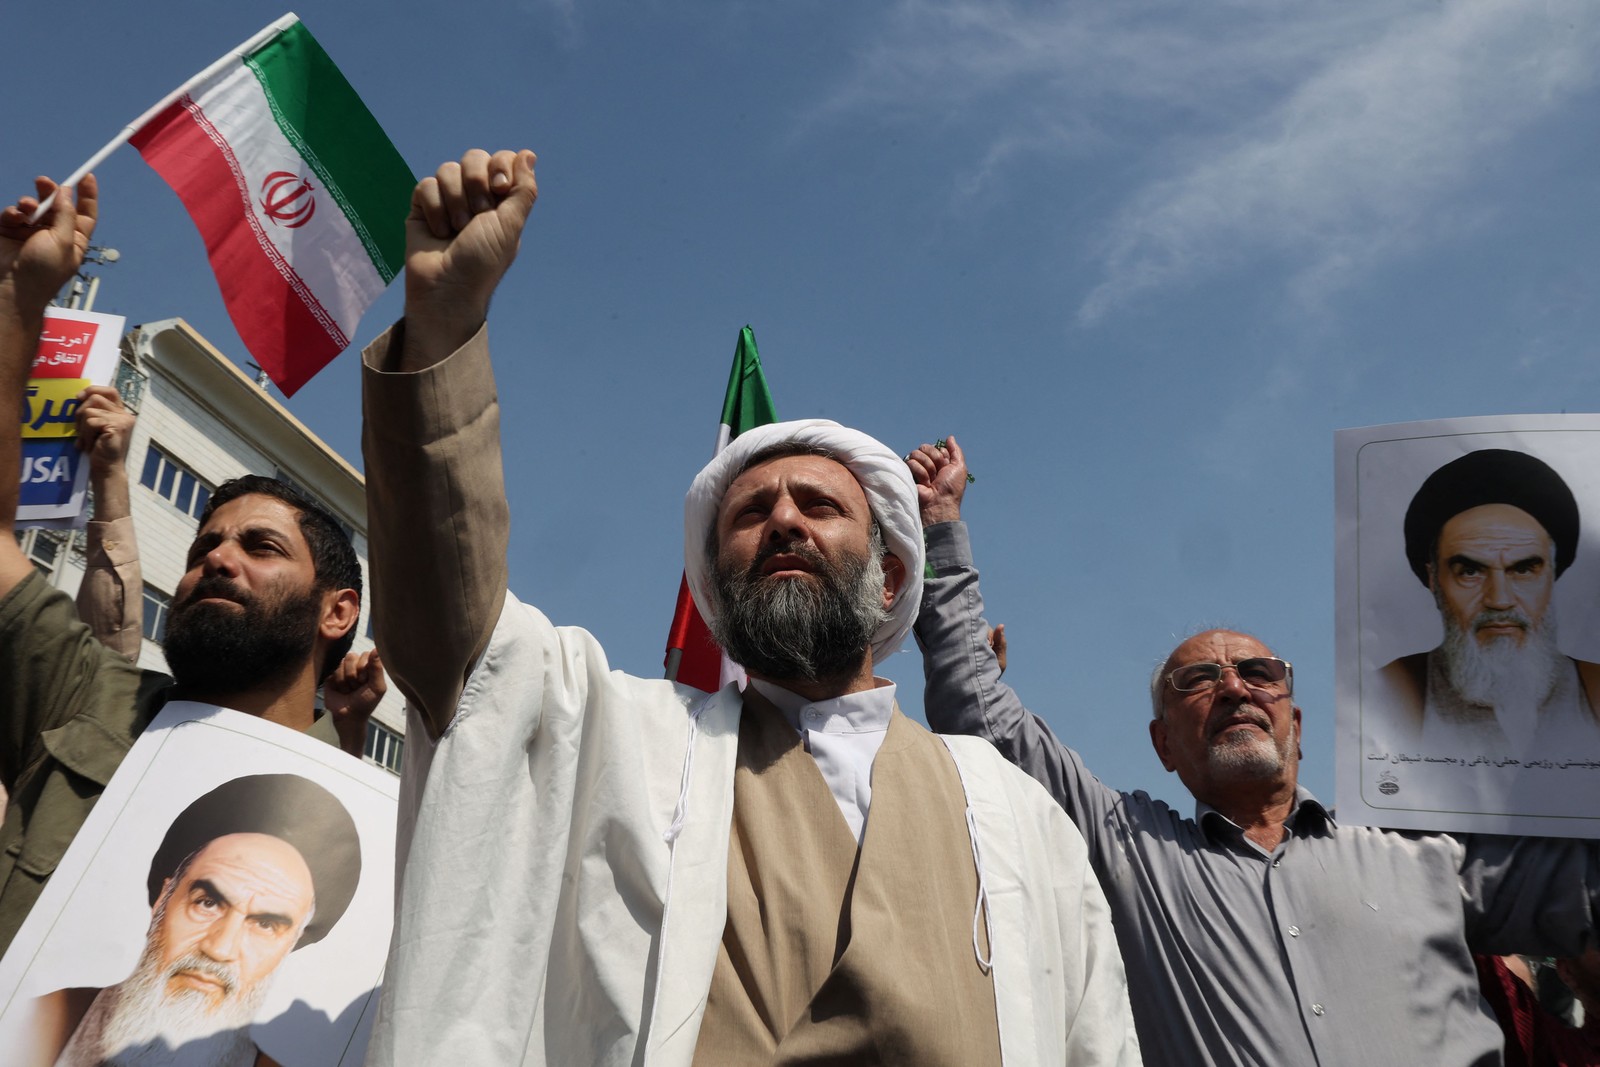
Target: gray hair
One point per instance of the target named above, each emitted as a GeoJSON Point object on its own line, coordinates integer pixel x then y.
{"type": "Point", "coordinates": [796, 631]}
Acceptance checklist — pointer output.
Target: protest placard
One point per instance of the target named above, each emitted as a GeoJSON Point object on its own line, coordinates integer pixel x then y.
{"type": "Point", "coordinates": [229, 898]}
{"type": "Point", "coordinates": [76, 349]}
{"type": "Point", "coordinates": [1468, 624]}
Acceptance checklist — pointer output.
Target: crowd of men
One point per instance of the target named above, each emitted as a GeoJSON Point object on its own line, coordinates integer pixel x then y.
{"type": "Point", "coordinates": [598, 868]}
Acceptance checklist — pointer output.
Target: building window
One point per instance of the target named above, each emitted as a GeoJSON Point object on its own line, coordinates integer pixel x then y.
{"type": "Point", "coordinates": [42, 547]}
{"type": "Point", "coordinates": [156, 606]}
{"type": "Point", "coordinates": [174, 482]}
{"type": "Point", "coordinates": [384, 746]}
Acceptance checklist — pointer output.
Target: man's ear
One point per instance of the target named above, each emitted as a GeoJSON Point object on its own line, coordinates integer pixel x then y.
{"type": "Point", "coordinates": [894, 577]}
{"type": "Point", "coordinates": [1158, 738]}
{"type": "Point", "coordinates": [340, 610]}
{"type": "Point", "coordinates": [1297, 753]}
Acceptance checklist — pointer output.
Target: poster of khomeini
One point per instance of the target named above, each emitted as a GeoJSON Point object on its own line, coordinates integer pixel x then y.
{"type": "Point", "coordinates": [1468, 624]}
{"type": "Point", "coordinates": [228, 901]}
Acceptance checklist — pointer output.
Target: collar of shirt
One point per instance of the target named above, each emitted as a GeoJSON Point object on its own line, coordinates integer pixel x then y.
{"type": "Point", "coordinates": [866, 712]}
{"type": "Point", "coordinates": [843, 735]}
{"type": "Point", "coordinates": [1315, 818]}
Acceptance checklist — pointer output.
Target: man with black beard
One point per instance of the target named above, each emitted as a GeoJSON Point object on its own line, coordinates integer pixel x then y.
{"type": "Point", "coordinates": [265, 611]}
{"type": "Point", "coordinates": [633, 870]}
{"type": "Point", "coordinates": [253, 870]}
{"type": "Point", "coordinates": [1488, 534]}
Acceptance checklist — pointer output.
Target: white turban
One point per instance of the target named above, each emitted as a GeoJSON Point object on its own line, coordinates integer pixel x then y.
{"type": "Point", "coordinates": [883, 476]}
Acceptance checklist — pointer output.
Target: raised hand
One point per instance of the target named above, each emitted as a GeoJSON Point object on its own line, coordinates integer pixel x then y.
{"type": "Point", "coordinates": [105, 427]}
{"type": "Point", "coordinates": [351, 694]}
{"type": "Point", "coordinates": [940, 471]}
{"type": "Point", "coordinates": [37, 259]}
{"type": "Point", "coordinates": [997, 641]}
{"type": "Point", "coordinates": [462, 235]}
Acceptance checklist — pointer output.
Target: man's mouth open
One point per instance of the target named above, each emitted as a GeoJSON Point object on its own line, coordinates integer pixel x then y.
{"type": "Point", "coordinates": [786, 564]}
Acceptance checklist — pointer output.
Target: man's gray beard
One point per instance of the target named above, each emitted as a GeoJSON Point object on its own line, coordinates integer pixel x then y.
{"type": "Point", "coordinates": [1503, 673]}
{"type": "Point", "coordinates": [803, 629]}
{"type": "Point", "coordinates": [1249, 756]}
{"type": "Point", "coordinates": [139, 1024]}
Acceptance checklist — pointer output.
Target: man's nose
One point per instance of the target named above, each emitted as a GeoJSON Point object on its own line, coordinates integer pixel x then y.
{"type": "Point", "coordinates": [1497, 591]}
{"type": "Point", "coordinates": [1230, 684]}
{"type": "Point", "coordinates": [223, 559]}
{"type": "Point", "coordinates": [221, 942]}
{"type": "Point", "coordinates": [785, 520]}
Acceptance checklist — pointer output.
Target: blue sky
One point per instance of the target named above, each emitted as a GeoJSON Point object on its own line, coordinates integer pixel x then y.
{"type": "Point", "coordinates": [1142, 258]}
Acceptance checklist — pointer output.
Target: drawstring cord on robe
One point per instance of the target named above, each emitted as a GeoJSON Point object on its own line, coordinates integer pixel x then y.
{"type": "Point", "coordinates": [982, 907]}
{"type": "Point", "coordinates": [681, 812]}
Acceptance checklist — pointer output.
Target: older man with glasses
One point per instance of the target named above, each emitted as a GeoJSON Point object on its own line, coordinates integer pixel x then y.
{"type": "Point", "coordinates": [1261, 931]}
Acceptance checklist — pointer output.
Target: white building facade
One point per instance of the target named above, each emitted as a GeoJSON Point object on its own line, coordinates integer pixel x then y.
{"type": "Point", "coordinates": [201, 422]}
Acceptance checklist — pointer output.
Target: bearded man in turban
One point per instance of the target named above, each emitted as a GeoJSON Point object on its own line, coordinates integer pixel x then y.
{"type": "Point", "coordinates": [602, 869]}
{"type": "Point", "coordinates": [1489, 534]}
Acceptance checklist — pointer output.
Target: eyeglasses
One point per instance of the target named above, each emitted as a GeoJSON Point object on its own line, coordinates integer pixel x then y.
{"type": "Point", "coordinates": [1258, 672]}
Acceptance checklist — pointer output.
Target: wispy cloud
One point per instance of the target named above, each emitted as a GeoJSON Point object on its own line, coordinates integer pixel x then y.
{"type": "Point", "coordinates": [1328, 136]}
{"type": "Point", "coordinates": [563, 17]}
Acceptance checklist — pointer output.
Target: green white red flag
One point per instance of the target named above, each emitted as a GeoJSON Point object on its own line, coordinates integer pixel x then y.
{"type": "Point", "coordinates": [693, 658]}
{"type": "Point", "coordinates": [297, 191]}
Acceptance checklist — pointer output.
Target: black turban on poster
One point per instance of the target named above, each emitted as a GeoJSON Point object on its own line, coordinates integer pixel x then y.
{"type": "Point", "coordinates": [293, 809]}
{"type": "Point", "coordinates": [1491, 476]}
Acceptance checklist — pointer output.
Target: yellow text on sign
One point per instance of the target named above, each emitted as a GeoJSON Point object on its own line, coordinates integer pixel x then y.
{"type": "Point", "coordinates": [50, 407]}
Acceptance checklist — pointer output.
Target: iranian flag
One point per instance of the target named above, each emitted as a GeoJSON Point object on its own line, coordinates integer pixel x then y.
{"type": "Point", "coordinates": [693, 658]}
{"type": "Point", "coordinates": [297, 191]}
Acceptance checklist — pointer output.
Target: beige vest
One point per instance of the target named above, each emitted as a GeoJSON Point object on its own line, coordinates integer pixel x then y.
{"type": "Point", "coordinates": [839, 954]}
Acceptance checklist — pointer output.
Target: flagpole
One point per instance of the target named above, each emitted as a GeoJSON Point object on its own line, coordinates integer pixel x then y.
{"type": "Point", "coordinates": [255, 41]}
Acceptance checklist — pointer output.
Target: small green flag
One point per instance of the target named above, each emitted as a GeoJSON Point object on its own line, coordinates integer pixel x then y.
{"type": "Point", "coordinates": [748, 404]}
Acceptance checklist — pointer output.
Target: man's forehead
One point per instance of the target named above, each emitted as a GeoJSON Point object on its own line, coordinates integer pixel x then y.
{"type": "Point", "coordinates": [1217, 646]}
{"type": "Point", "coordinates": [254, 510]}
{"type": "Point", "coordinates": [802, 469]}
{"type": "Point", "coordinates": [1493, 523]}
{"type": "Point", "coordinates": [265, 862]}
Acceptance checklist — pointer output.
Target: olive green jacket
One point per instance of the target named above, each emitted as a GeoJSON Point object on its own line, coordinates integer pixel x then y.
{"type": "Point", "coordinates": [70, 709]}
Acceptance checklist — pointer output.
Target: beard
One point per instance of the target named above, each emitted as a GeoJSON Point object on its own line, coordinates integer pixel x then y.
{"type": "Point", "coordinates": [1251, 756]}
{"type": "Point", "coordinates": [218, 648]}
{"type": "Point", "coordinates": [140, 1023]}
{"type": "Point", "coordinates": [814, 628]}
{"type": "Point", "coordinates": [1505, 672]}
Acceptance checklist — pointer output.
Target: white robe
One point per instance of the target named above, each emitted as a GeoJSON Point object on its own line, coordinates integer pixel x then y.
{"type": "Point", "coordinates": [563, 876]}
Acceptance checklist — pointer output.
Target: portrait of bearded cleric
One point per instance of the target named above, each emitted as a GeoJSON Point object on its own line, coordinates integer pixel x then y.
{"type": "Point", "coordinates": [256, 868]}
{"type": "Point", "coordinates": [1489, 536]}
